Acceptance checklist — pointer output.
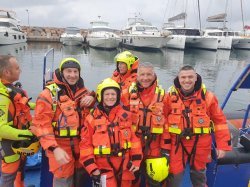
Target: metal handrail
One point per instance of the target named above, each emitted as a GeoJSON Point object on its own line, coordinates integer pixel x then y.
{"type": "Point", "coordinates": [51, 50]}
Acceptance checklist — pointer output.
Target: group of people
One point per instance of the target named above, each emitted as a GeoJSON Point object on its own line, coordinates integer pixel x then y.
{"type": "Point", "coordinates": [127, 132]}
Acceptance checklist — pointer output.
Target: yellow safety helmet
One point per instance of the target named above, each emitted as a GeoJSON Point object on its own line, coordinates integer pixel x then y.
{"type": "Point", "coordinates": [157, 168]}
{"type": "Point", "coordinates": [26, 147]}
{"type": "Point", "coordinates": [69, 63]}
{"type": "Point", "coordinates": [126, 57]}
{"type": "Point", "coordinates": [106, 83]}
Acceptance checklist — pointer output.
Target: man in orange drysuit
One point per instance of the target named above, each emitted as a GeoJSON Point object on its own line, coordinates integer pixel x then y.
{"type": "Point", "coordinates": [59, 114]}
{"type": "Point", "coordinates": [15, 119]}
{"type": "Point", "coordinates": [145, 99]}
{"type": "Point", "coordinates": [110, 150]}
{"type": "Point", "coordinates": [190, 109]}
{"type": "Point", "coordinates": [126, 69]}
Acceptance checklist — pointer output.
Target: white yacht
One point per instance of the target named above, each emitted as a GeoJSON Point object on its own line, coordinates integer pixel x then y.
{"type": "Point", "coordinates": [10, 30]}
{"type": "Point", "coordinates": [176, 41]}
{"type": "Point", "coordinates": [192, 37]}
{"type": "Point", "coordinates": [71, 36]}
{"type": "Point", "coordinates": [141, 34]}
{"type": "Point", "coordinates": [100, 35]}
{"type": "Point", "coordinates": [240, 40]}
{"type": "Point", "coordinates": [224, 40]}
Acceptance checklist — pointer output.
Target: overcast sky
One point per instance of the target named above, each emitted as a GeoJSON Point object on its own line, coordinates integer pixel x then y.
{"type": "Point", "coordinates": [64, 13]}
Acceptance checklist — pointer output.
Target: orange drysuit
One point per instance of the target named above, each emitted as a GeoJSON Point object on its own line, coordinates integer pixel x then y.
{"type": "Point", "coordinates": [58, 120]}
{"type": "Point", "coordinates": [189, 123]}
{"type": "Point", "coordinates": [109, 144]}
{"type": "Point", "coordinates": [125, 80]}
{"type": "Point", "coordinates": [149, 122]}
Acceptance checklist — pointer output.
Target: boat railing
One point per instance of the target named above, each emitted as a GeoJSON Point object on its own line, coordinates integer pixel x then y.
{"type": "Point", "coordinates": [241, 83]}
{"type": "Point", "coordinates": [48, 73]}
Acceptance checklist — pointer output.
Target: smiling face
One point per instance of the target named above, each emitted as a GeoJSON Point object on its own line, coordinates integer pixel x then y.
{"type": "Point", "coordinates": [145, 76]}
{"type": "Point", "coordinates": [187, 79]}
{"type": "Point", "coordinates": [71, 75]}
{"type": "Point", "coordinates": [122, 68]}
{"type": "Point", "coordinates": [109, 97]}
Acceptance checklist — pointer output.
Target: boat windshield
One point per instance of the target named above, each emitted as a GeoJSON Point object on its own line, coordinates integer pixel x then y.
{"type": "Point", "coordinates": [215, 33]}
{"type": "Point", "coordinates": [6, 24]}
{"type": "Point", "coordinates": [101, 29]}
{"type": "Point", "coordinates": [187, 32]}
{"type": "Point", "coordinates": [145, 28]}
{"type": "Point", "coordinates": [72, 30]}
{"type": "Point", "coordinates": [99, 24]}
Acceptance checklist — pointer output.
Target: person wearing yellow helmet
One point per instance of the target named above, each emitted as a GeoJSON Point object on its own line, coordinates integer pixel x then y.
{"type": "Point", "coordinates": [15, 119]}
{"type": "Point", "coordinates": [126, 69]}
{"type": "Point", "coordinates": [59, 114]}
{"type": "Point", "coordinates": [109, 148]}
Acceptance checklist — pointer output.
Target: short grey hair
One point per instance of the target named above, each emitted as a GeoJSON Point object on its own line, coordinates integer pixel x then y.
{"type": "Point", "coordinates": [4, 63]}
{"type": "Point", "coordinates": [146, 65]}
{"type": "Point", "coordinates": [186, 67]}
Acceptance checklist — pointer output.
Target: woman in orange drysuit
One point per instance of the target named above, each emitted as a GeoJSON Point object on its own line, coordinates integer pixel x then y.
{"type": "Point", "coordinates": [126, 69]}
{"type": "Point", "coordinates": [110, 151]}
{"type": "Point", "coordinates": [59, 114]}
{"type": "Point", "coordinates": [193, 113]}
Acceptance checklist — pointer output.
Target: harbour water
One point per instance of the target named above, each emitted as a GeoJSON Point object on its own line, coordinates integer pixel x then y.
{"type": "Point", "coordinates": [219, 69]}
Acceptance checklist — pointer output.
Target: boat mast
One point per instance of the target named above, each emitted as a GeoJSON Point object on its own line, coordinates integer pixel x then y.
{"type": "Point", "coordinates": [224, 21]}
{"type": "Point", "coordinates": [185, 16]}
{"type": "Point", "coordinates": [199, 13]}
{"type": "Point", "coordinates": [242, 17]}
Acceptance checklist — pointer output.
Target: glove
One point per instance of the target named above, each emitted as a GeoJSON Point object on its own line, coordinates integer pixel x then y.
{"type": "Point", "coordinates": [96, 180]}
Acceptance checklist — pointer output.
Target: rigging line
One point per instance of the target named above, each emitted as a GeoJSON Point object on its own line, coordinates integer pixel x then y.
{"type": "Point", "coordinates": [165, 11]}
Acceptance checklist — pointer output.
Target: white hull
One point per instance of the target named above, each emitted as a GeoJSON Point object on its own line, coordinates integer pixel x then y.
{"type": "Point", "coordinates": [13, 49]}
{"type": "Point", "coordinates": [103, 42]}
{"type": "Point", "coordinates": [242, 43]}
{"type": "Point", "coordinates": [8, 36]}
{"type": "Point", "coordinates": [201, 42]}
{"type": "Point", "coordinates": [224, 42]}
{"type": "Point", "coordinates": [71, 40]}
{"type": "Point", "coordinates": [223, 37]}
{"type": "Point", "coordinates": [176, 42]}
{"type": "Point", "coordinates": [144, 41]}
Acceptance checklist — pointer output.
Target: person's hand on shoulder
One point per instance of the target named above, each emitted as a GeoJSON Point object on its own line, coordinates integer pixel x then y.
{"type": "Point", "coordinates": [86, 101]}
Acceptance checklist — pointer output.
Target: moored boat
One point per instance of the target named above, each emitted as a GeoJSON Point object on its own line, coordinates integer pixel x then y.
{"type": "Point", "coordinates": [10, 30]}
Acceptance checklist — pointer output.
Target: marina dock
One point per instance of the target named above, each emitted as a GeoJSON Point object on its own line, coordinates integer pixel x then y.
{"type": "Point", "coordinates": [46, 34]}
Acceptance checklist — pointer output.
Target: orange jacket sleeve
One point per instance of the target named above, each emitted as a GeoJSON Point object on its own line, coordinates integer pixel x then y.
{"type": "Point", "coordinates": [221, 131]}
{"type": "Point", "coordinates": [87, 157]}
{"type": "Point", "coordinates": [42, 120]}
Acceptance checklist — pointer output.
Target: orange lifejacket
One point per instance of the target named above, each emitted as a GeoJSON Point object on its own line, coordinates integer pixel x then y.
{"type": "Point", "coordinates": [111, 137]}
{"type": "Point", "coordinates": [192, 116]}
{"type": "Point", "coordinates": [66, 121]}
{"type": "Point", "coordinates": [20, 110]}
{"type": "Point", "coordinates": [147, 119]}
